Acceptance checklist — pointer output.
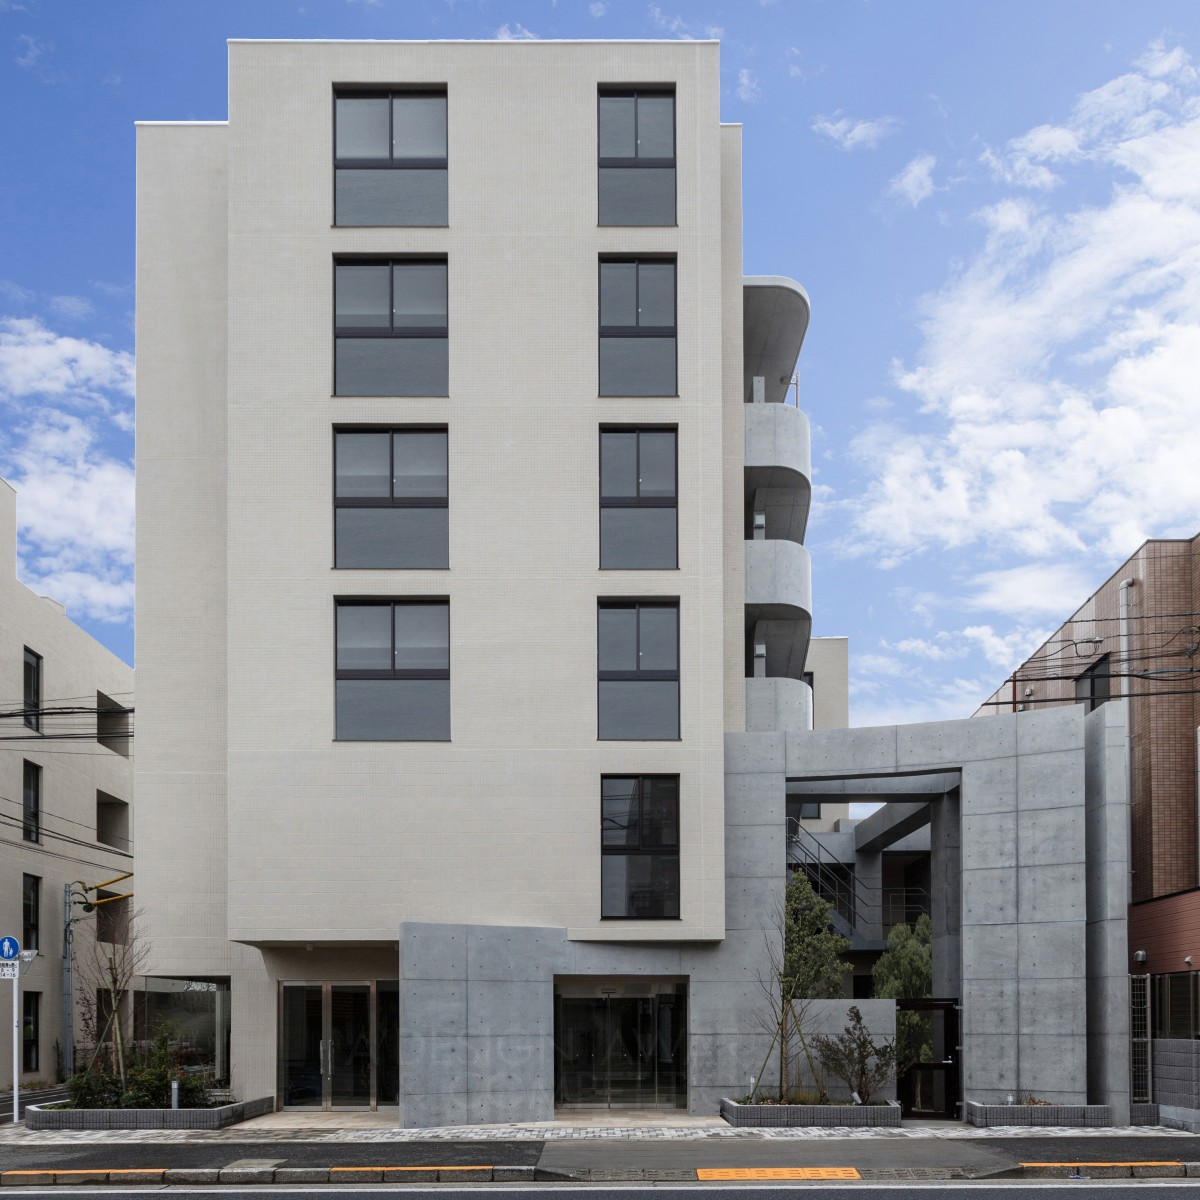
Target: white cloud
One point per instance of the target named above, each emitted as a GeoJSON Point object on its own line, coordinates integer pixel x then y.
{"type": "Point", "coordinates": [74, 492]}
{"type": "Point", "coordinates": [29, 51]}
{"type": "Point", "coordinates": [748, 88]}
{"type": "Point", "coordinates": [598, 9]}
{"type": "Point", "coordinates": [915, 182]}
{"type": "Point", "coordinates": [515, 33]}
{"type": "Point", "coordinates": [682, 28]}
{"type": "Point", "coordinates": [71, 308]}
{"type": "Point", "coordinates": [1052, 402]}
{"type": "Point", "coordinates": [1035, 589]}
{"type": "Point", "coordinates": [850, 133]}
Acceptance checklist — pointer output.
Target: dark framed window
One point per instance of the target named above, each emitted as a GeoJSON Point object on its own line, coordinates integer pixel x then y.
{"type": "Point", "coordinates": [390, 327]}
{"type": "Point", "coordinates": [810, 810]}
{"type": "Point", "coordinates": [31, 825]}
{"type": "Point", "coordinates": [638, 501]}
{"type": "Point", "coordinates": [31, 912]}
{"type": "Point", "coordinates": [639, 846]}
{"type": "Point", "coordinates": [31, 1030]}
{"type": "Point", "coordinates": [638, 668]}
{"type": "Point", "coordinates": [1094, 686]}
{"type": "Point", "coordinates": [33, 690]}
{"type": "Point", "coordinates": [389, 157]}
{"type": "Point", "coordinates": [637, 327]}
{"type": "Point", "coordinates": [636, 155]}
{"type": "Point", "coordinates": [390, 497]}
{"type": "Point", "coordinates": [393, 669]}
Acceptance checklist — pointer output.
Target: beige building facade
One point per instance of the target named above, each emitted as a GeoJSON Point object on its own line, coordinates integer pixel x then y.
{"type": "Point", "coordinates": [66, 805]}
{"type": "Point", "coordinates": [470, 529]}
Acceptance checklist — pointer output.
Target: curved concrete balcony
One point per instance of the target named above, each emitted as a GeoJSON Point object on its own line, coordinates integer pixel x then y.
{"type": "Point", "coordinates": [778, 605]}
{"type": "Point", "coordinates": [774, 321]}
{"type": "Point", "coordinates": [778, 474]}
{"type": "Point", "coordinates": [781, 705]}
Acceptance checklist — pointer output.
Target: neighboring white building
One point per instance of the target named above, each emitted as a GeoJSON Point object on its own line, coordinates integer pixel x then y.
{"type": "Point", "coordinates": [450, 583]}
{"type": "Point", "coordinates": [66, 796]}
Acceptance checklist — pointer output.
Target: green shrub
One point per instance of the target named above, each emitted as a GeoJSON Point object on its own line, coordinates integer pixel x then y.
{"type": "Point", "coordinates": [148, 1080]}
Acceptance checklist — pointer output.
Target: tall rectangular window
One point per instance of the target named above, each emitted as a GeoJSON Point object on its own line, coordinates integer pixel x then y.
{"type": "Point", "coordinates": [390, 498]}
{"type": "Point", "coordinates": [31, 1030]}
{"type": "Point", "coordinates": [33, 690]}
{"type": "Point", "coordinates": [638, 504]}
{"type": "Point", "coordinates": [31, 912]}
{"type": "Point", "coordinates": [390, 158]}
{"type": "Point", "coordinates": [393, 670]}
{"type": "Point", "coordinates": [390, 328]}
{"type": "Point", "coordinates": [1094, 686]}
{"type": "Point", "coordinates": [639, 844]}
{"type": "Point", "coordinates": [31, 824]}
{"type": "Point", "coordinates": [638, 666]}
{"type": "Point", "coordinates": [637, 327]}
{"type": "Point", "coordinates": [636, 184]}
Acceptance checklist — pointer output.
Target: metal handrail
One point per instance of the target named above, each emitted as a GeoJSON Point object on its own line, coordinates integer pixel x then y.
{"type": "Point", "coordinates": [851, 895]}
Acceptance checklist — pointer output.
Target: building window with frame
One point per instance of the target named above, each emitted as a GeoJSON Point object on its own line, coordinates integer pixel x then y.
{"type": "Point", "coordinates": [390, 498]}
{"type": "Point", "coordinates": [389, 157]}
{"type": "Point", "coordinates": [638, 669]}
{"type": "Point", "coordinates": [31, 807]}
{"type": "Point", "coordinates": [33, 690]}
{"type": "Point", "coordinates": [637, 327]}
{"type": "Point", "coordinates": [31, 1030]}
{"type": "Point", "coordinates": [636, 151]}
{"type": "Point", "coordinates": [390, 327]}
{"type": "Point", "coordinates": [638, 502]}
{"type": "Point", "coordinates": [393, 669]}
{"type": "Point", "coordinates": [639, 845]}
{"type": "Point", "coordinates": [1094, 686]}
{"type": "Point", "coordinates": [31, 912]}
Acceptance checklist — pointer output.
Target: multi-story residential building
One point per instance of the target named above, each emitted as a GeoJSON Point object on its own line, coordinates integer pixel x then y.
{"type": "Point", "coordinates": [66, 802]}
{"type": "Point", "coordinates": [1137, 637]}
{"type": "Point", "coordinates": [474, 613]}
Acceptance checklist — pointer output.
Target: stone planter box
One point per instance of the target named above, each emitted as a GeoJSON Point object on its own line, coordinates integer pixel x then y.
{"type": "Point", "coordinates": [828, 1116]}
{"type": "Point", "coordinates": [1074, 1116]}
{"type": "Point", "coordinates": [38, 1117]}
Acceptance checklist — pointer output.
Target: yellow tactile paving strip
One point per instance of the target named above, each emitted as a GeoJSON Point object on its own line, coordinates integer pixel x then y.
{"type": "Point", "coordinates": [777, 1173]}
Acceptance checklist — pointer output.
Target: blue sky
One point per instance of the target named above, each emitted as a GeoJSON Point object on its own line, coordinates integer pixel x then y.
{"type": "Point", "coordinates": [994, 206]}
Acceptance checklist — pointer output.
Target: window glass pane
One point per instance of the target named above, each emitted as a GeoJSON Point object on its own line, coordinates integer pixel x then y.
{"type": "Point", "coordinates": [660, 812]}
{"type": "Point", "coordinates": [422, 637]}
{"type": "Point", "coordinates": [619, 825]}
{"type": "Point", "coordinates": [618, 464]}
{"type": "Point", "coordinates": [656, 294]}
{"type": "Point", "coordinates": [617, 639]}
{"type": "Point", "coordinates": [637, 366]}
{"type": "Point", "coordinates": [656, 126]}
{"type": "Point", "coordinates": [361, 464]}
{"type": "Point", "coordinates": [617, 136]}
{"type": "Point", "coordinates": [642, 196]}
{"type": "Point", "coordinates": [411, 197]}
{"type": "Point", "coordinates": [392, 538]}
{"type": "Point", "coordinates": [419, 127]}
{"type": "Point", "coordinates": [419, 299]}
{"type": "Point", "coordinates": [639, 885]}
{"type": "Point", "coordinates": [361, 127]}
{"type": "Point", "coordinates": [638, 711]}
{"type": "Point", "coordinates": [364, 637]}
{"type": "Point", "coordinates": [385, 366]}
{"type": "Point", "coordinates": [659, 640]}
{"type": "Point", "coordinates": [394, 710]}
{"type": "Point", "coordinates": [420, 464]}
{"type": "Point", "coordinates": [657, 463]}
{"type": "Point", "coordinates": [362, 296]}
{"type": "Point", "coordinates": [637, 539]}
{"type": "Point", "coordinates": [618, 293]}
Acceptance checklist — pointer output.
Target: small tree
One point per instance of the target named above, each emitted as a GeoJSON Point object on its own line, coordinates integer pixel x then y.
{"type": "Point", "coordinates": [804, 952]}
{"type": "Point", "coordinates": [861, 1063]}
{"type": "Point", "coordinates": [904, 971]}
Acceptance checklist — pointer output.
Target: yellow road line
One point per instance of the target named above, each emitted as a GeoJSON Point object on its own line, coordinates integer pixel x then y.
{"type": "Point", "coordinates": [777, 1173]}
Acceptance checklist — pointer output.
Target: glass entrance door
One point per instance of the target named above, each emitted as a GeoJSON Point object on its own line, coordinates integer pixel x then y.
{"type": "Point", "coordinates": [622, 1051]}
{"type": "Point", "coordinates": [330, 1049]}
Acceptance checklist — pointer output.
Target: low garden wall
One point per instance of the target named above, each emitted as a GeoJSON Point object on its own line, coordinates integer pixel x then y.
{"type": "Point", "coordinates": [827, 1116]}
{"type": "Point", "coordinates": [39, 1117]}
{"type": "Point", "coordinates": [1072, 1116]}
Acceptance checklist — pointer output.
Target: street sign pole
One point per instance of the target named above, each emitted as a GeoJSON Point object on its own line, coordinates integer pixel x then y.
{"type": "Point", "coordinates": [10, 965]}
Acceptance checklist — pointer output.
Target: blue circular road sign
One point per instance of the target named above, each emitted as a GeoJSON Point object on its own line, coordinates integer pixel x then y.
{"type": "Point", "coordinates": [10, 948]}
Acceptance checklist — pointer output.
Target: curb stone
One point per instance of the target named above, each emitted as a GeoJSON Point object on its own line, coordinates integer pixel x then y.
{"type": "Point", "coordinates": [301, 1174]}
{"type": "Point", "coordinates": [192, 1175]}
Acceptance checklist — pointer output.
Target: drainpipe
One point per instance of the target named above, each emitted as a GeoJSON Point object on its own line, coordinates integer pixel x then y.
{"type": "Point", "coordinates": [1123, 638]}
